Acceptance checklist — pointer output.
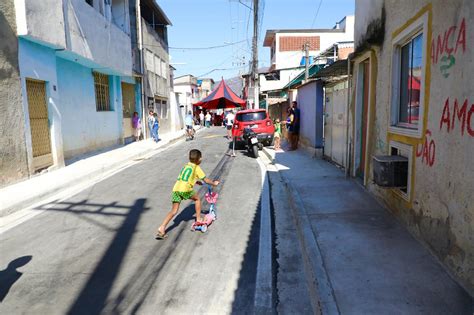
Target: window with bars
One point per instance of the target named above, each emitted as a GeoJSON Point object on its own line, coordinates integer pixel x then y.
{"type": "Point", "coordinates": [102, 92]}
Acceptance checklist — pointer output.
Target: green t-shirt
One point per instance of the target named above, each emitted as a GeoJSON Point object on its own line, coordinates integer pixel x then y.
{"type": "Point", "coordinates": [278, 128]}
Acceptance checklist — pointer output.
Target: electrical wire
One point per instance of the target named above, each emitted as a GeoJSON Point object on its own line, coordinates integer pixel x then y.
{"type": "Point", "coordinates": [317, 12]}
{"type": "Point", "coordinates": [210, 47]}
{"type": "Point", "coordinates": [219, 69]}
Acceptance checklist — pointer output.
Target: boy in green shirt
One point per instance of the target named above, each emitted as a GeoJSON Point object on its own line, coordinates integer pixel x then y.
{"type": "Point", "coordinates": [183, 189]}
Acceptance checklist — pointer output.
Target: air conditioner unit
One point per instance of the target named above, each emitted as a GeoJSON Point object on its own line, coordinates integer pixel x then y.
{"type": "Point", "coordinates": [390, 171]}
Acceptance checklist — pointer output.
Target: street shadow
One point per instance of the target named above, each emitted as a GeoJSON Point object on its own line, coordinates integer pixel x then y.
{"type": "Point", "coordinates": [185, 215]}
{"type": "Point", "coordinates": [93, 296]}
{"type": "Point", "coordinates": [10, 275]}
{"type": "Point", "coordinates": [245, 293]}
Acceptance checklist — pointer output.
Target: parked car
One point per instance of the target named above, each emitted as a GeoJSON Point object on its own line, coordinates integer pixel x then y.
{"type": "Point", "coordinates": [257, 120]}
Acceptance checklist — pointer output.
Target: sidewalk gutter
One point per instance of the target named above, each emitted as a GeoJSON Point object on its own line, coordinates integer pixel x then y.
{"type": "Point", "coordinates": [321, 291]}
{"type": "Point", "coordinates": [263, 299]}
{"type": "Point", "coordinates": [26, 193]}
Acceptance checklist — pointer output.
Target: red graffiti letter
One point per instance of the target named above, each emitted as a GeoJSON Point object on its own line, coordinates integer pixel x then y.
{"type": "Point", "coordinates": [440, 46]}
{"type": "Point", "coordinates": [469, 116]}
{"type": "Point", "coordinates": [460, 114]}
{"type": "Point", "coordinates": [432, 152]}
{"type": "Point", "coordinates": [451, 30]}
{"type": "Point", "coordinates": [446, 116]}
{"type": "Point", "coordinates": [461, 37]}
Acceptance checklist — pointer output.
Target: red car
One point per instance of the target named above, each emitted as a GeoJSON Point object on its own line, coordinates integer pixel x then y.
{"type": "Point", "coordinates": [258, 121]}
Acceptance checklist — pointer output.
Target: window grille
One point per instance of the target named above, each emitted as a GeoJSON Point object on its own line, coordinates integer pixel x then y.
{"type": "Point", "coordinates": [102, 92]}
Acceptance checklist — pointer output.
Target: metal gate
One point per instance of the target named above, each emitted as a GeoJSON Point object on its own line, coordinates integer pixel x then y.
{"type": "Point", "coordinates": [39, 124]}
{"type": "Point", "coordinates": [336, 122]}
{"type": "Point", "coordinates": [128, 103]}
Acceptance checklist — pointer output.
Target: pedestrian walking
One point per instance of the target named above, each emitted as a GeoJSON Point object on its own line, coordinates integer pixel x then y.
{"type": "Point", "coordinates": [277, 135]}
{"type": "Point", "coordinates": [137, 126]}
{"type": "Point", "coordinates": [183, 190]}
{"type": "Point", "coordinates": [189, 122]}
{"type": "Point", "coordinates": [201, 118]}
{"type": "Point", "coordinates": [150, 123]}
{"type": "Point", "coordinates": [208, 120]}
{"type": "Point", "coordinates": [156, 127]}
{"type": "Point", "coordinates": [229, 122]}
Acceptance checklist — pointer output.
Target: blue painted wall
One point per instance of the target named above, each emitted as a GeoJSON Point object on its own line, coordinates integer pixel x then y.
{"type": "Point", "coordinates": [84, 128]}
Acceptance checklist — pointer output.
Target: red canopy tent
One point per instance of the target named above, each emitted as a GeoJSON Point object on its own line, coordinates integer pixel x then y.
{"type": "Point", "coordinates": [221, 97]}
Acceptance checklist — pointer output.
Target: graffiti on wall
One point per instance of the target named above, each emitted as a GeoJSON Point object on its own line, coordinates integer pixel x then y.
{"type": "Point", "coordinates": [445, 46]}
{"type": "Point", "coordinates": [427, 150]}
{"type": "Point", "coordinates": [457, 116]}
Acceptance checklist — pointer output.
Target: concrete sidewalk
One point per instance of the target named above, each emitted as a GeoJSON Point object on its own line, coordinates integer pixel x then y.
{"type": "Point", "coordinates": [90, 167]}
{"type": "Point", "coordinates": [358, 257]}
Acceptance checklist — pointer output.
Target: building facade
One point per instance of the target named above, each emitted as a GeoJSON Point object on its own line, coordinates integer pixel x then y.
{"type": "Point", "coordinates": [412, 97]}
{"type": "Point", "coordinates": [74, 61]}
{"type": "Point", "coordinates": [13, 153]}
{"type": "Point", "coordinates": [186, 87]}
{"type": "Point", "coordinates": [287, 54]}
{"type": "Point", "coordinates": [151, 42]}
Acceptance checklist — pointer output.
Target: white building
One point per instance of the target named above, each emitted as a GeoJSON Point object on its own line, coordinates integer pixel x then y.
{"type": "Point", "coordinates": [287, 49]}
{"type": "Point", "coordinates": [186, 87]}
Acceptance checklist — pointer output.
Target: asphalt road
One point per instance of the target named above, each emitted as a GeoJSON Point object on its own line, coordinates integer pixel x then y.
{"type": "Point", "coordinates": [96, 253]}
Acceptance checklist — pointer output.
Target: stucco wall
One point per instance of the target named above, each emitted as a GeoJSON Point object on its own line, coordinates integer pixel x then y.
{"type": "Point", "coordinates": [93, 37]}
{"type": "Point", "coordinates": [39, 18]}
{"type": "Point", "coordinates": [440, 210]}
{"type": "Point", "coordinates": [79, 29]}
{"type": "Point", "coordinates": [84, 129]}
{"type": "Point", "coordinates": [285, 77]}
{"type": "Point", "coordinates": [13, 155]}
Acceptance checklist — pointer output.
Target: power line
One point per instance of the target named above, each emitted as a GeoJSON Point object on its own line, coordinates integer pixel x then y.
{"type": "Point", "coordinates": [218, 69]}
{"type": "Point", "coordinates": [205, 48]}
{"type": "Point", "coordinates": [317, 12]}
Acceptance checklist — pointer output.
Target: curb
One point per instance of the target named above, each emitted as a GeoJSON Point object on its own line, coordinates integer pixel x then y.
{"type": "Point", "coordinates": [78, 180]}
{"type": "Point", "coordinates": [269, 154]}
{"type": "Point", "coordinates": [321, 292]}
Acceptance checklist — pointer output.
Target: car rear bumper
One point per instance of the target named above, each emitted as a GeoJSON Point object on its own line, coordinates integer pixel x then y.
{"type": "Point", "coordinates": [264, 138]}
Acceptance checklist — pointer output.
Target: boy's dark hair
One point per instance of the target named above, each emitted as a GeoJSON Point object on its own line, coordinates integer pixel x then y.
{"type": "Point", "coordinates": [194, 156]}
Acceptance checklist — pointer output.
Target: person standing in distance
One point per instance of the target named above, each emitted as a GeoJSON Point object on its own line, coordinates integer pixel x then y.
{"type": "Point", "coordinates": [229, 122]}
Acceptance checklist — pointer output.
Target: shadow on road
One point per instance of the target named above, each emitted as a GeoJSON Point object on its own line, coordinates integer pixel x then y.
{"type": "Point", "coordinates": [245, 292]}
{"type": "Point", "coordinates": [10, 275]}
{"type": "Point", "coordinates": [94, 294]}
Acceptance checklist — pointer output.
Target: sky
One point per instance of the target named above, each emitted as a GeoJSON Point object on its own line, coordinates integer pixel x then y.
{"type": "Point", "coordinates": [210, 23]}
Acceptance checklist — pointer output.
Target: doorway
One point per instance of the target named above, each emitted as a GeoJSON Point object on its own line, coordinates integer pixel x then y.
{"type": "Point", "coordinates": [362, 110]}
{"type": "Point", "coordinates": [128, 106]}
{"type": "Point", "coordinates": [39, 124]}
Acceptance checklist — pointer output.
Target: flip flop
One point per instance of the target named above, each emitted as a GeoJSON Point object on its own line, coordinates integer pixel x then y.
{"type": "Point", "coordinates": [161, 236]}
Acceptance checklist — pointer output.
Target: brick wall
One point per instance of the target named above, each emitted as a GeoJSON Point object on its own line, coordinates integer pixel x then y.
{"type": "Point", "coordinates": [343, 53]}
{"type": "Point", "coordinates": [294, 43]}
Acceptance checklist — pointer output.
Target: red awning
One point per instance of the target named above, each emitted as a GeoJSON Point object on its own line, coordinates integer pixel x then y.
{"type": "Point", "coordinates": [221, 97]}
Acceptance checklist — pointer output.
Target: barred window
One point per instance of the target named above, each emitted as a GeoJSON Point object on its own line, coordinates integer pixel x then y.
{"type": "Point", "coordinates": [102, 94]}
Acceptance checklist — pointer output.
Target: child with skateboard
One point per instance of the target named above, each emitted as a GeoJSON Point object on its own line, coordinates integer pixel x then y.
{"type": "Point", "coordinates": [183, 189]}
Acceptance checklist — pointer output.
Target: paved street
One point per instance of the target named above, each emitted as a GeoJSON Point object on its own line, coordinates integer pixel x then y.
{"type": "Point", "coordinates": [95, 252]}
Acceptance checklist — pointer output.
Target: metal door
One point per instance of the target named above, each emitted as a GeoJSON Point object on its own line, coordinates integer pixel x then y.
{"type": "Point", "coordinates": [39, 124]}
{"type": "Point", "coordinates": [128, 103]}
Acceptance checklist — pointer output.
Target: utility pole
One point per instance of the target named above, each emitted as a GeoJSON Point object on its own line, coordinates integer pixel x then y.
{"type": "Point", "coordinates": [255, 55]}
{"type": "Point", "coordinates": [306, 62]}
